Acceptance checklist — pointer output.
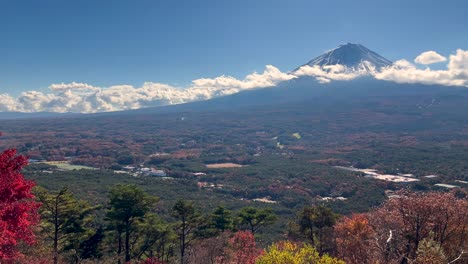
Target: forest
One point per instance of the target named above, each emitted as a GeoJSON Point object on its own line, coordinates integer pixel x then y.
{"type": "Point", "coordinates": [42, 226]}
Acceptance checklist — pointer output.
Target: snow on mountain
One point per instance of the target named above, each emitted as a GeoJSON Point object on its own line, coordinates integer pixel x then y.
{"type": "Point", "coordinates": [353, 57]}
{"type": "Point", "coordinates": [346, 62]}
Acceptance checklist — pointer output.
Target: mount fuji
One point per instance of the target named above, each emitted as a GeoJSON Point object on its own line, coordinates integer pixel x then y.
{"type": "Point", "coordinates": [352, 56]}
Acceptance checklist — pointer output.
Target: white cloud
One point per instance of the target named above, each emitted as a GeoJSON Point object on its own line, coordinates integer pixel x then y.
{"type": "Point", "coordinates": [339, 72]}
{"type": "Point", "coordinates": [72, 85]}
{"type": "Point", "coordinates": [458, 64]}
{"type": "Point", "coordinates": [7, 103]}
{"type": "Point", "coordinates": [86, 98]}
{"type": "Point", "coordinates": [429, 57]}
{"type": "Point", "coordinates": [270, 77]}
{"type": "Point", "coordinates": [32, 100]}
{"type": "Point", "coordinates": [403, 71]}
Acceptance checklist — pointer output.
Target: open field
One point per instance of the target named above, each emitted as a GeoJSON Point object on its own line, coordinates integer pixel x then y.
{"type": "Point", "coordinates": [223, 165]}
{"type": "Point", "coordinates": [68, 166]}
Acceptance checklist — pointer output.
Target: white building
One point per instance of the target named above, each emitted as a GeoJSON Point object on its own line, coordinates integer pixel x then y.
{"type": "Point", "coordinates": [159, 173]}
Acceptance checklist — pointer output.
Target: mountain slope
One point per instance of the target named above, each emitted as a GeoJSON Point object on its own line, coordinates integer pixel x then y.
{"type": "Point", "coordinates": [21, 115]}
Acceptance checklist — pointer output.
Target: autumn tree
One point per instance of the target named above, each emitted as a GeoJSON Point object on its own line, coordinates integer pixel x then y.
{"type": "Point", "coordinates": [253, 219]}
{"type": "Point", "coordinates": [65, 220]}
{"type": "Point", "coordinates": [355, 239]}
{"type": "Point", "coordinates": [128, 206]}
{"type": "Point", "coordinates": [18, 210]}
{"type": "Point", "coordinates": [393, 233]}
{"type": "Point", "coordinates": [243, 248]}
{"type": "Point", "coordinates": [286, 252]}
{"type": "Point", "coordinates": [151, 261]}
{"type": "Point", "coordinates": [211, 250]}
{"type": "Point", "coordinates": [225, 248]}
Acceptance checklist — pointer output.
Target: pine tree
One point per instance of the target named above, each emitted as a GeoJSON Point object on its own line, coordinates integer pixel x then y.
{"type": "Point", "coordinates": [189, 221]}
{"type": "Point", "coordinates": [315, 224]}
{"type": "Point", "coordinates": [65, 221]}
{"type": "Point", "coordinates": [254, 219]}
{"type": "Point", "coordinates": [222, 219]}
{"type": "Point", "coordinates": [128, 205]}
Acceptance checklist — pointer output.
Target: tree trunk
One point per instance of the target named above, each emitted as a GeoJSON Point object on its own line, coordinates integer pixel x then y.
{"type": "Point", "coordinates": [56, 229]}
{"type": "Point", "coordinates": [127, 242]}
{"type": "Point", "coordinates": [311, 236]}
{"type": "Point", "coordinates": [119, 249]}
{"type": "Point", "coordinates": [182, 243]}
{"type": "Point", "coordinates": [321, 241]}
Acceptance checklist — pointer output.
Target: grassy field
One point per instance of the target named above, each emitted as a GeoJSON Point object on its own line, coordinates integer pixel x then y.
{"type": "Point", "coordinates": [68, 166]}
{"type": "Point", "coordinates": [223, 165]}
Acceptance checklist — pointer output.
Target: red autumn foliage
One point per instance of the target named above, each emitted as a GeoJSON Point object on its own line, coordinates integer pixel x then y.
{"type": "Point", "coordinates": [154, 260]}
{"type": "Point", "coordinates": [18, 210]}
{"type": "Point", "coordinates": [245, 248]}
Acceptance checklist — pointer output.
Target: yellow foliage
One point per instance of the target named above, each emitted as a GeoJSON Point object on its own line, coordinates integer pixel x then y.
{"type": "Point", "coordinates": [286, 252]}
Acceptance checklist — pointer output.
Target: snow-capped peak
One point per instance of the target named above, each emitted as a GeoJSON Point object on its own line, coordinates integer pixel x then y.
{"type": "Point", "coordinates": [354, 57]}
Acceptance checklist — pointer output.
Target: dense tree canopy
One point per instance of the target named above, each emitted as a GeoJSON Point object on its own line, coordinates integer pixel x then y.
{"type": "Point", "coordinates": [393, 233]}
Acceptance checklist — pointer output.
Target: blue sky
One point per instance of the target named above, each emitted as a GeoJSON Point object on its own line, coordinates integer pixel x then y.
{"type": "Point", "coordinates": [106, 43]}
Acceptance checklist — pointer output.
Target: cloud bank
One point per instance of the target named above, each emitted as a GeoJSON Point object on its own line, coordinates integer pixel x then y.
{"type": "Point", "coordinates": [403, 71]}
{"type": "Point", "coordinates": [86, 98]}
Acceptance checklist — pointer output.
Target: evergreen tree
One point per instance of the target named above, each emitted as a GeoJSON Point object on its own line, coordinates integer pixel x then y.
{"type": "Point", "coordinates": [90, 247]}
{"type": "Point", "coordinates": [188, 221]}
{"type": "Point", "coordinates": [222, 219]}
{"type": "Point", "coordinates": [155, 238]}
{"type": "Point", "coordinates": [315, 224]}
{"type": "Point", "coordinates": [254, 219]}
{"type": "Point", "coordinates": [218, 221]}
{"type": "Point", "coordinates": [128, 205]}
{"type": "Point", "coordinates": [64, 220]}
